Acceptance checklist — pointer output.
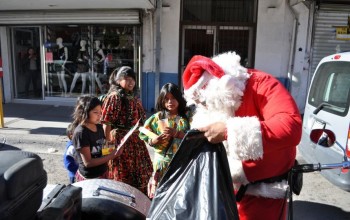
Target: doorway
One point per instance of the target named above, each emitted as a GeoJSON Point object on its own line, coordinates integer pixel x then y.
{"type": "Point", "coordinates": [211, 40]}
{"type": "Point", "coordinates": [218, 26]}
{"type": "Point", "coordinates": [26, 63]}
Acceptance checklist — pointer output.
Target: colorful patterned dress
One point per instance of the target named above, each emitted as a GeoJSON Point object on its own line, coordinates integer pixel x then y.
{"type": "Point", "coordinates": [162, 156]}
{"type": "Point", "coordinates": [134, 165]}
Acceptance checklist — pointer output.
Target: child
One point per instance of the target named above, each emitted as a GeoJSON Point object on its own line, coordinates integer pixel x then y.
{"type": "Point", "coordinates": [89, 138]}
{"type": "Point", "coordinates": [171, 110]}
{"type": "Point", "coordinates": [70, 155]}
{"type": "Point", "coordinates": [121, 110]}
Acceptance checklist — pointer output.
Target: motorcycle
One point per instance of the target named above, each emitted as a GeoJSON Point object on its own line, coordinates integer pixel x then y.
{"type": "Point", "coordinates": [324, 138]}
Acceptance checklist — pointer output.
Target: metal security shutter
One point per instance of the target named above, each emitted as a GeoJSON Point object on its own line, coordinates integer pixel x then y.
{"type": "Point", "coordinates": [70, 17]}
{"type": "Point", "coordinates": [324, 37]}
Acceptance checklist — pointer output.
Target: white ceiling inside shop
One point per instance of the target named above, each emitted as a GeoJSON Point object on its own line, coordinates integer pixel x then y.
{"type": "Point", "coordinates": [74, 4]}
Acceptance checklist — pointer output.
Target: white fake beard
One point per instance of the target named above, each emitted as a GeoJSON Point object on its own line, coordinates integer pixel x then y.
{"type": "Point", "coordinates": [222, 97]}
{"type": "Point", "coordinates": [218, 105]}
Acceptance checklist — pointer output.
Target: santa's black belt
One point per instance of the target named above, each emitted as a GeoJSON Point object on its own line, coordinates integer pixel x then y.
{"type": "Point", "coordinates": [243, 188]}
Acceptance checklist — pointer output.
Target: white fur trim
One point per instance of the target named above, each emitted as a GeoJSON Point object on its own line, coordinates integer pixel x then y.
{"type": "Point", "coordinates": [237, 172]}
{"type": "Point", "coordinates": [275, 190]}
{"type": "Point", "coordinates": [244, 138]}
{"type": "Point", "coordinates": [230, 64]}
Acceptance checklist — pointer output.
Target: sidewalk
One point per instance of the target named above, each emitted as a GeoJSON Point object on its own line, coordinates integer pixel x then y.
{"type": "Point", "coordinates": [39, 129]}
{"type": "Point", "coordinates": [35, 127]}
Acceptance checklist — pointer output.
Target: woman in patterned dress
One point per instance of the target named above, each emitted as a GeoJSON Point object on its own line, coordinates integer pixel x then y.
{"type": "Point", "coordinates": [120, 112]}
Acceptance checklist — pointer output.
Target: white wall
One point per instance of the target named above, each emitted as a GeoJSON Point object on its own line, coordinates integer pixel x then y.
{"type": "Point", "coordinates": [274, 43]}
{"type": "Point", "coordinates": [300, 73]}
{"type": "Point", "coordinates": [148, 46]}
{"type": "Point", "coordinates": [170, 27]}
{"type": "Point", "coordinates": [273, 39]}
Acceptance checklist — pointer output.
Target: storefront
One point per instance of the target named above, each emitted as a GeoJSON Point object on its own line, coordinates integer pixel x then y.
{"type": "Point", "coordinates": [326, 40]}
{"type": "Point", "coordinates": [58, 56]}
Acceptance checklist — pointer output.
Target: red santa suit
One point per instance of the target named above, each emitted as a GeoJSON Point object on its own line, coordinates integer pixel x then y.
{"type": "Point", "coordinates": [263, 127]}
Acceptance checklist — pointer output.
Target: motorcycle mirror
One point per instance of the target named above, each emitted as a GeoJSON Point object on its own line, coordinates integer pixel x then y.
{"type": "Point", "coordinates": [322, 137]}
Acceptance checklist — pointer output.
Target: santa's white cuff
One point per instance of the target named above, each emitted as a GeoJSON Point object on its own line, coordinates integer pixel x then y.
{"type": "Point", "coordinates": [244, 138]}
{"type": "Point", "coordinates": [237, 173]}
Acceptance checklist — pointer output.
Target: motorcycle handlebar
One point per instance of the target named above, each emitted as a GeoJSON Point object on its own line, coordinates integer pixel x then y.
{"type": "Point", "coordinates": [306, 168]}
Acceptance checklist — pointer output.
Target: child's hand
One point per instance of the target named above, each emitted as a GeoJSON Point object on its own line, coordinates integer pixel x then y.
{"type": "Point", "coordinates": [169, 132]}
{"type": "Point", "coordinates": [160, 139]}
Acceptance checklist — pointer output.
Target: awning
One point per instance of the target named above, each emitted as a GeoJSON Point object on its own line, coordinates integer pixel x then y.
{"type": "Point", "coordinates": [7, 5]}
{"type": "Point", "coordinates": [70, 17]}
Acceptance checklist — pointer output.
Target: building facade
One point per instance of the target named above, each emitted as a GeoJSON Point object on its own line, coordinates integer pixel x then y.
{"type": "Point", "coordinates": [78, 45]}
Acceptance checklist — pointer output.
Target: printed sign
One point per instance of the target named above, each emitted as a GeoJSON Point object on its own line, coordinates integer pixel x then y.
{"type": "Point", "coordinates": [49, 57]}
{"type": "Point", "coordinates": [125, 138]}
{"type": "Point", "coordinates": [343, 33]}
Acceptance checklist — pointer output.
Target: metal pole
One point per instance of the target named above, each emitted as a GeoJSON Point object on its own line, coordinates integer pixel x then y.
{"type": "Point", "coordinates": [158, 48]}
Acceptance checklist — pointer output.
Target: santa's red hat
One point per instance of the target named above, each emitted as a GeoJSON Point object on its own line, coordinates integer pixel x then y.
{"type": "Point", "coordinates": [193, 74]}
{"type": "Point", "coordinates": [215, 81]}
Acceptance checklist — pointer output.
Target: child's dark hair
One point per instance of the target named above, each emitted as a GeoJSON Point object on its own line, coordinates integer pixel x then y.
{"type": "Point", "coordinates": [175, 91]}
{"type": "Point", "coordinates": [83, 106]}
{"type": "Point", "coordinates": [118, 74]}
{"type": "Point", "coordinates": [70, 130]}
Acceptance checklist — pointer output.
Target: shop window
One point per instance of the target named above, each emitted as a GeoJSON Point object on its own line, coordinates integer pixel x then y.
{"type": "Point", "coordinates": [80, 58]}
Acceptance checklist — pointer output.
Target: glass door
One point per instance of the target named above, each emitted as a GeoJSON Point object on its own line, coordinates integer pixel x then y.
{"type": "Point", "coordinates": [26, 62]}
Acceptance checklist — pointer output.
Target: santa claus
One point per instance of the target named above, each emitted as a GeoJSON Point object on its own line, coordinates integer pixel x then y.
{"type": "Point", "coordinates": [257, 120]}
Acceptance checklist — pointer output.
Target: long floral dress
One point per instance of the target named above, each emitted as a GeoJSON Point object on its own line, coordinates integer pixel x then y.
{"type": "Point", "coordinates": [134, 165]}
{"type": "Point", "coordinates": [163, 154]}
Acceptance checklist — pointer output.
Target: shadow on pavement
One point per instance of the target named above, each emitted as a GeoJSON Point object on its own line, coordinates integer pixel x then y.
{"type": "Point", "coordinates": [8, 147]}
{"type": "Point", "coordinates": [37, 112]}
{"type": "Point", "coordinates": [317, 211]}
{"type": "Point", "coordinates": [48, 130]}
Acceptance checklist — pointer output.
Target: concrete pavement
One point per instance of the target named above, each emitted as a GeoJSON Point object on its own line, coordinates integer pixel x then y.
{"type": "Point", "coordinates": [35, 128]}
{"type": "Point", "coordinates": [40, 129]}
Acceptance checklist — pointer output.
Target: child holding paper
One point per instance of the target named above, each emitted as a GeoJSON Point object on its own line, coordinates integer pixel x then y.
{"type": "Point", "coordinates": [121, 111]}
{"type": "Point", "coordinates": [88, 139]}
{"type": "Point", "coordinates": [164, 130]}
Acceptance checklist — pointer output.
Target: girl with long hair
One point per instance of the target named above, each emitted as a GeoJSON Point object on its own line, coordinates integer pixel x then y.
{"type": "Point", "coordinates": [121, 110]}
{"type": "Point", "coordinates": [169, 123]}
{"type": "Point", "coordinates": [88, 139]}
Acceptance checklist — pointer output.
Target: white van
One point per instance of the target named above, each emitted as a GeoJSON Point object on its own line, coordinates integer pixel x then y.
{"type": "Point", "coordinates": [327, 106]}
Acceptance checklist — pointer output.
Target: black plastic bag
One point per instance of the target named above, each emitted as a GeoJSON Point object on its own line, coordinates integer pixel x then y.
{"type": "Point", "coordinates": [197, 183]}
